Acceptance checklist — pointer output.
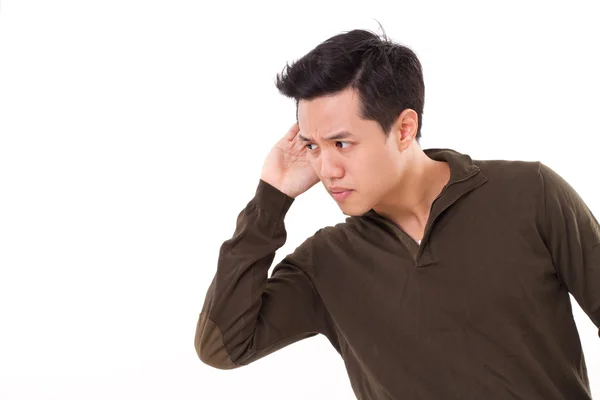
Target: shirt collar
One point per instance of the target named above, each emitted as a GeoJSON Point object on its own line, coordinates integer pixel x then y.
{"type": "Point", "coordinates": [461, 165]}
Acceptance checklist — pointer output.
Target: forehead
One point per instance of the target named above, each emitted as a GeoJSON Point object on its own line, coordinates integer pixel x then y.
{"type": "Point", "coordinates": [345, 102]}
{"type": "Point", "coordinates": [329, 114]}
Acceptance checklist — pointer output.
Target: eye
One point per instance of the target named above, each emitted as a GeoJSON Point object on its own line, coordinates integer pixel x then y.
{"type": "Point", "coordinates": [312, 144]}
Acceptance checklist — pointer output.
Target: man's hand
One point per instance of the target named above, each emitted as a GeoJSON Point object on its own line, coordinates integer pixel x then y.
{"type": "Point", "coordinates": [286, 166]}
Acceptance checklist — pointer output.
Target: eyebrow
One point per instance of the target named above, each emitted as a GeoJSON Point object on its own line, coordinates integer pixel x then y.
{"type": "Point", "coordinates": [336, 136]}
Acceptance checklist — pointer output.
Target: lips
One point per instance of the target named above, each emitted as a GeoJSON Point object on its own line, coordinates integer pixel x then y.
{"type": "Point", "coordinates": [341, 195]}
{"type": "Point", "coordinates": [338, 190]}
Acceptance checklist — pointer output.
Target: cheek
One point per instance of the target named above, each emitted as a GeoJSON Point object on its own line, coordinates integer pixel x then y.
{"type": "Point", "coordinates": [315, 166]}
{"type": "Point", "coordinates": [377, 173]}
{"type": "Point", "coordinates": [376, 165]}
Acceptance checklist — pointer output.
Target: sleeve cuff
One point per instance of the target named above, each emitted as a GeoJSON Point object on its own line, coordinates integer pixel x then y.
{"type": "Point", "coordinates": [272, 200]}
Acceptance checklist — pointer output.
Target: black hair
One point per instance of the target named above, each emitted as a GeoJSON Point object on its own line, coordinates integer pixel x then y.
{"type": "Point", "coordinates": [387, 76]}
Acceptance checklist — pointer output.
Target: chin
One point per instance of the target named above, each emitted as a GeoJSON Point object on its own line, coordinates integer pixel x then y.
{"type": "Point", "coordinates": [353, 210]}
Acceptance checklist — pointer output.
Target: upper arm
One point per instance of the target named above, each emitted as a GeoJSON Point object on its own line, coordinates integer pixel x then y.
{"type": "Point", "coordinates": [572, 235]}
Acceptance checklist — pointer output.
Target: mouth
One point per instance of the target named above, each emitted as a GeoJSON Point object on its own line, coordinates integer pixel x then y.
{"type": "Point", "coordinates": [341, 195]}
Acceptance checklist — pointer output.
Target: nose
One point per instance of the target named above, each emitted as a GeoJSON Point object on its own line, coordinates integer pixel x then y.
{"type": "Point", "coordinates": [330, 167]}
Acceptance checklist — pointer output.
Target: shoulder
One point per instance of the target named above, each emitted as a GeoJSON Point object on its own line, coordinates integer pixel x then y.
{"type": "Point", "coordinates": [351, 238]}
{"type": "Point", "coordinates": [322, 244]}
{"type": "Point", "coordinates": [511, 176]}
{"type": "Point", "coordinates": [514, 187]}
{"type": "Point", "coordinates": [510, 169]}
{"type": "Point", "coordinates": [341, 239]}
{"type": "Point", "coordinates": [333, 236]}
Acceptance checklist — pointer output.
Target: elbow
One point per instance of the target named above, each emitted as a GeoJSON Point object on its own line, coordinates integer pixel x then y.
{"type": "Point", "coordinates": [210, 346]}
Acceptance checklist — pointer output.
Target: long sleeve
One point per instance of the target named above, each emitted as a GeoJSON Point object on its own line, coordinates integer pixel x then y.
{"type": "Point", "coordinates": [247, 315]}
{"type": "Point", "coordinates": [572, 235]}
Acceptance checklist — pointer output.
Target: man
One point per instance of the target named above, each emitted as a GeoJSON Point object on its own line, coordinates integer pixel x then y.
{"type": "Point", "coordinates": [450, 277]}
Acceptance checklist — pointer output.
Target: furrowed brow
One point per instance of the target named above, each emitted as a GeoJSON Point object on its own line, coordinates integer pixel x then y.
{"type": "Point", "coordinates": [336, 136]}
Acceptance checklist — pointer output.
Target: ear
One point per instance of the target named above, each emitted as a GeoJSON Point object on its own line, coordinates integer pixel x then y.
{"type": "Point", "coordinates": [405, 128]}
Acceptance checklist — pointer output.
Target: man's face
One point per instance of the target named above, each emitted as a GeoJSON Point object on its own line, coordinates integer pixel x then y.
{"type": "Point", "coordinates": [363, 161]}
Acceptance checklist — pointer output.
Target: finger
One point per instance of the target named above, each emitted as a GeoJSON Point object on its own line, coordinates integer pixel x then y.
{"type": "Point", "coordinates": [292, 132]}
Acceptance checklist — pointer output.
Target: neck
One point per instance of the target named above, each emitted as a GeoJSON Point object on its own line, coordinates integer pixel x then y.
{"type": "Point", "coordinates": [409, 202]}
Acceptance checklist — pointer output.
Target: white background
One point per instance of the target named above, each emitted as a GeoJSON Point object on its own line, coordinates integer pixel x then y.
{"type": "Point", "coordinates": [133, 133]}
